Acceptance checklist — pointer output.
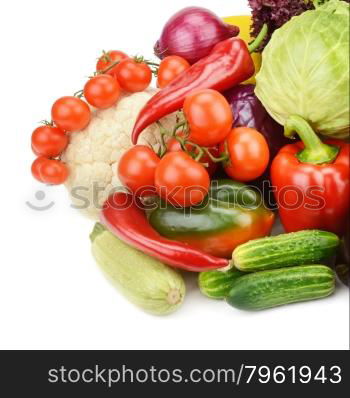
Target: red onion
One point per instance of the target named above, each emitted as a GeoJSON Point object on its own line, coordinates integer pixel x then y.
{"type": "Point", "coordinates": [192, 33]}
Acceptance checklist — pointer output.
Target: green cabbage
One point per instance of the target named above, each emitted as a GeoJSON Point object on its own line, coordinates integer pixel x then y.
{"type": "Point", "coordinates": [305, 70]}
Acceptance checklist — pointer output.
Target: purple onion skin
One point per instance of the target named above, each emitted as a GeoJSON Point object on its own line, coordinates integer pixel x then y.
{"type": "Point", "coordinates": [192, 33]}
{"type": "Point", "coordinates": [248, 111]}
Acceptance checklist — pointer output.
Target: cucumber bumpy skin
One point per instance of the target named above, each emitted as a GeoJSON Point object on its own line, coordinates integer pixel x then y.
{"type": "Point", "coordinates": [217, 284]}
{"type": "Point", "coordinates": [144, 281]}
{"type": "Point", "coordinates": [285, 250]}
{"type": "Point", "coordinates": [267, 289]}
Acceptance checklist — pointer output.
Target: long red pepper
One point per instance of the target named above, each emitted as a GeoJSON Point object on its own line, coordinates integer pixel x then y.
{"type": "Point", "coordinates": [123, 215]}
{"type": "Point", "coordinates": [228, 64]}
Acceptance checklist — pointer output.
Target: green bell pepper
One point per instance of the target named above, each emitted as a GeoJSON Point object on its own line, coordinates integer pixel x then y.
{"type": "Point", "coordinates": [231, 214]}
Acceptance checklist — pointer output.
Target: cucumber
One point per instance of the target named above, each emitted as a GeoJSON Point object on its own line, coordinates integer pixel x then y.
{"type": "Point", "coordinates": [217, 284]}
{"type": "Point", "coordinates": [146, 282]}
{"type": "Point", "coordinates": [267, 289]}
{"type": "Point", "coordinates": [295, 248]}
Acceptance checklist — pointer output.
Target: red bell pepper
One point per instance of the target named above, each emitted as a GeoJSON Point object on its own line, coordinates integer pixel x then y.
{"type": "Point", "coordinates": [228, 64]}
{"type": "Point", "coordinates": [312, 181]}
{"type": "Point", "coordinates": [123, 215]}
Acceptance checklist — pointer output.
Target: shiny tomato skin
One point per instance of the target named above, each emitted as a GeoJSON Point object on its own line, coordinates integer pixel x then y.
{"type": "Point", "coordinates": [209, 116]}
{"type": "Point", "coordinates": [106, 60]}
{"type": "Point", "coordinates": [49, 171]}
{"type": "Point", "coordinates": [133, 76]}
{"type": "Point", "coordinates": [70, 114]}
{"type": "Point", "coordinates": [36, 166]}
{"type": "Point", "coordinates": [54, 172]}
{"type": "Point", "coordinates": [248, 154]}
{"type": "Point", "coordinates": [136, 170]}
{"type": "Point", "coordinates": [180, 180]}
{"type": "Point", "coordinates": [49, 141]}
{"type": "Point", "coordinates": [170, 68]}
{"type": "Point", "coordinates": [102, 91]}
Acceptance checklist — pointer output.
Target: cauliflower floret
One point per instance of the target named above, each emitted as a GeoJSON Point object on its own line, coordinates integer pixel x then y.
{"type": "Point", "coordinates": [93, 154]}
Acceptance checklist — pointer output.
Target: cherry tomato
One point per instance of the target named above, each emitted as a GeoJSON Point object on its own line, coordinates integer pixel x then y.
{"type": "Point", "coordinates": [53, 172]}
{"type": "Point", "coordinates": [107, 59]}
{"type": "Point", "coordinates": [209, 116]}
{"type": "Point", "coordinates": [133, 76]}
{"type": "Point", "coordinates": [49, 171]}
{"type": "Point", "coordinates": [36, 166]}
{"type": "Point", "coordinates": [173, 145]}
{"type": "Point", "coordinates": [48, 141]}
{"type": "Point", "coordinates": [137, 168]}
{"type": "Point", "coordinates": [169, 68]}
{"type": "Point", "coordinates": [102, 91]}
{"type": "Point", "coordinates": [180, 180]}
{"type": "Point", "coordinates": [70, 114]}
{"type": "Point", "coordinates": [248, 152]}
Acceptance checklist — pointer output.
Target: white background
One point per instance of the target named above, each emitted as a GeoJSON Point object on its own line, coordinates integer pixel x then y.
{"type": "Point", "coordinates": [52, 295]}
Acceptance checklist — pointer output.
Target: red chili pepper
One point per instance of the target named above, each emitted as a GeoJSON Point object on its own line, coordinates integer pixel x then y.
{"type": "Point", "coordinates": [228, 64]}
{"type": "Point", "coordinates": [312, 181]}
{"type": "Point", "coordinates": [123, 215]}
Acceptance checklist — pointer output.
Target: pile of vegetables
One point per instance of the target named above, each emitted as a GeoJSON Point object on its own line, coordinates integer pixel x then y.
{"type": "Point", "coordinates": [172, 164]}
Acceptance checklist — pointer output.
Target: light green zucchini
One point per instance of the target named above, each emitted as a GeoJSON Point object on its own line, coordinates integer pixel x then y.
{"type": "Point", "coordinates": [146, 282]}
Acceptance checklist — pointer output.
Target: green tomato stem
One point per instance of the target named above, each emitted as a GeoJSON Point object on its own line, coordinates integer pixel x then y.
{"type": "Point", "coordinates": [163, 132]}
{"type": "Point", "coordinates": [105, 56]}
{"type": "Point", "coordinates": [79, 94]}
{"type": "Point", "coordinates": [259, 39]}
{"type": "Point", "coordinates": [142, 59]}
{"type": "Point", "coordinates": [200, 150]}
{"type": "Point", "coordinates": [111, 66]}
{"type": "Point", "coordinates": [178, 126]}
{"type": "Point", "coordinates": [183, 141]}
{"type": "Point", "coordinates": [47, 123]}
{"type": "Point", "coordinates": [315, 151]}
{"type": "Point", "coordinates": [223, 158]}
{"type": "Point", "coordinates": [152, 63]}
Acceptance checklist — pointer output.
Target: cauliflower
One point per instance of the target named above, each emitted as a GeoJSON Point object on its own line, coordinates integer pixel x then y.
{"type": "Point", "coordinates": [93, 154]}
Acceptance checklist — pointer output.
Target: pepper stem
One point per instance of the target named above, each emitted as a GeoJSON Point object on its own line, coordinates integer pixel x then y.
{"type": "Point", "coordinates": [315, 151]}
{"type": "Point", "coordinates": [259, 39]}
